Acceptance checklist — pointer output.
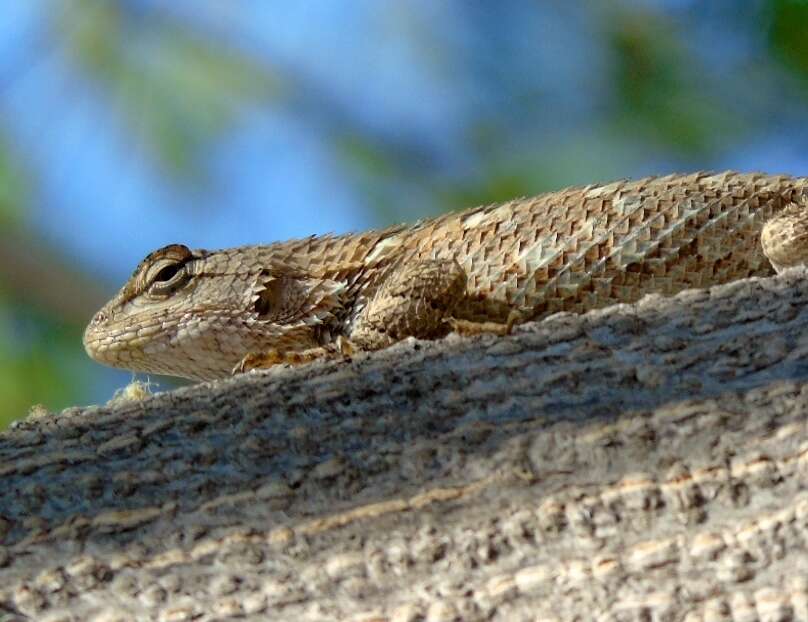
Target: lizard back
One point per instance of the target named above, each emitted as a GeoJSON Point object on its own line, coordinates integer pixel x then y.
{"type": "Point", "coordinates": [589, 247]}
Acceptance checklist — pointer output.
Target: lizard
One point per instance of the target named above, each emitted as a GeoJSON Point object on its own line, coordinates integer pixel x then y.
{"type": "Point", "coordinates": [203, 314]}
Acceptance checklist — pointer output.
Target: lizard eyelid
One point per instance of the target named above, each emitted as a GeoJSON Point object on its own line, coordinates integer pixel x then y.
{"type": "Point", "coordinates": [168, 278]}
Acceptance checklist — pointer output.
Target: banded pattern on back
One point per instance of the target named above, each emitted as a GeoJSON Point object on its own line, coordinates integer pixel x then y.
{"type": "Point", "coordinates": [589, 247]}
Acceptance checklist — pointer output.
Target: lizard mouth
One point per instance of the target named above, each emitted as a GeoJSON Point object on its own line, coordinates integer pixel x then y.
{"type": "Point", "coordinates": [117, 347]}
{"type": "Point", "coordinates": [152, 345]}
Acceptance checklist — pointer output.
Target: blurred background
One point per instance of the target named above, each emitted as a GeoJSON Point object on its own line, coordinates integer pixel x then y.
{"type": "Point", "coordinates": [127, 125]}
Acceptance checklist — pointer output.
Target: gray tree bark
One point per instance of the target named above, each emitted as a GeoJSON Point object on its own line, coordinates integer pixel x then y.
{"type": "Point", "coordinates": [642, 462]}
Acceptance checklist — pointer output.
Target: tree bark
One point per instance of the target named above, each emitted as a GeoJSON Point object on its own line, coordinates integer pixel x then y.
{"type": "Point", "coordinates": [645, 461]}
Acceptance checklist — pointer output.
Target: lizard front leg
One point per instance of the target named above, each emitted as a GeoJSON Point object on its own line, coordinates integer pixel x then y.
{"type": "Point", "coordinates": [420, 301]}
{"type": "Point", "coordinates": [341, 348]}
{"type": "Point", "coordinates": [416, 300]}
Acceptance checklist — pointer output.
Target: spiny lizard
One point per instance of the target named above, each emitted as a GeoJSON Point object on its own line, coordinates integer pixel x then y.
{"type": "Point", "coordinates": [203, 314]}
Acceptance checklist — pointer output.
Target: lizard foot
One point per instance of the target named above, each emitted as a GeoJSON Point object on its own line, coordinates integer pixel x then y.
{"type": "Point", "coordinates": [341, 348]}
{"type": "Point", "coordinates": [468, 328]}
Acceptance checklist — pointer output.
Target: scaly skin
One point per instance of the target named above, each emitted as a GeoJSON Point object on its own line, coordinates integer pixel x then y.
{"type": "Point", "coordinates": [197, 314]}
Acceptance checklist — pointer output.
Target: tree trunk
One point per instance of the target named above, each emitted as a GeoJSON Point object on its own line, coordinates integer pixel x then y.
{"type": "Point", "coordinates": [643, 462]}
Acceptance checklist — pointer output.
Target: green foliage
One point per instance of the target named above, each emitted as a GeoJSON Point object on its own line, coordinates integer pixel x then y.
{"type": "Point", "coordinates": [13, 187]}
{"type": "Point", "coordinates": [661, 95]}
{"type": "Point", "coordinates": [37, 361]}
{"type": "Point", "coordinates": [495, 187]}
{"type": "Point", "coordinates": [177, 89]}
{"type": "Point", "coordinates": [788, 33]}
{"type": "Point", "coordinates": [20, 377]}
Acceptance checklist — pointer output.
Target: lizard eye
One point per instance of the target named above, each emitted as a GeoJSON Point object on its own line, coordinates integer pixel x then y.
{"type": "Point", "coordinates": [167, 278]}
{"type": "Point", "coordinates": [166, 274]}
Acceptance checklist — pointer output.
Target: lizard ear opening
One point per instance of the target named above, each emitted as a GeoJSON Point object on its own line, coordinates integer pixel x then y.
{"type": "Point", "coordinates": [268, 298]}
{"type": "Point", "coordinates": [279, 297]}
{"type": "Point", "coordinates": [287, 299]}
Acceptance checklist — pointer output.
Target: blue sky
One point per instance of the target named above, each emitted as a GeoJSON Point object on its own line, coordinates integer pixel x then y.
{"type": "Point", "coordinates": [102, 198]}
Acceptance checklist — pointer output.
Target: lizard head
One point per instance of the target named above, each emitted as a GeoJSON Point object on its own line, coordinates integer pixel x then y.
{"type": "Point", "coordinates": [197, 313]}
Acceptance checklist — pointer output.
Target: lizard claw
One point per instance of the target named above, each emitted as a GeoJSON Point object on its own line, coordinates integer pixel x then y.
{"type": "Point", "coordinates": [259, 360]}
{"type": "Point", "coordinates": [514, 317]}
{"type": "Point", "coordinates": [345, 347]}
